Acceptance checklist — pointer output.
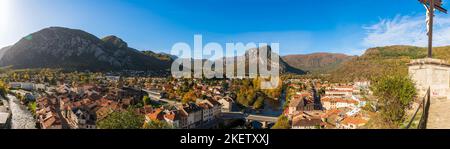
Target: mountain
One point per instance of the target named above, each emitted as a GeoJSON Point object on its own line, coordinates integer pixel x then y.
{"type": "Point", "coordinates": [160, 56]}
{"type": "Point", "coordinates": [384, 60]}
{"type": "Point", "coordinates": [282, 65]}
{"type": "Point", "coordinates": [317, 62]}
{"type": "Point", "coordinates": [3, 50]}
{"type": "Point", "coordinates": [253, 54]}
{"type": "Point", "coordinates": [71, 49]}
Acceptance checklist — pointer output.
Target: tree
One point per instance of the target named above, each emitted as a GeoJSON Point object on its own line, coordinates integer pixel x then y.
{"type": "Point", "coordinates": [3, 89]}
{"type": "Point", "coordinates": [321, 91]}
{"type": "Point", "coordinates": [241, 99]}
{"type": "Point", "coordinates": [395, 93]}
{"type": "Point", "coordinates": [157, 124]}
{"type": "Point", "coordinates": [138, 105]}
{"type": "Point", "coordinates": [246, 96]}
{"type": "Point", "coordinates": [127, 119]}
{"type": "Point", "coordinates": [146, 100]}
{"type": "Point", "coordinates": [32, 107]}
{"type": "Point", "coordinates": [272, 93]}
{"type": "Point", "coordinates": [259, 103]}
{"type": "Point", "coordinates": [225, 86]}
{"type": "Point", "coordinates": [251, 96]}
{"type": "Point", "coordinates": [282, 123]}
{"type": "Point", "coordinates": [189, 97]}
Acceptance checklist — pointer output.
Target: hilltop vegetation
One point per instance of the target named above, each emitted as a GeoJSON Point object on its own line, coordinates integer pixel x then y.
{"type": "Point", "coordinates": [317, 63]}
{"type": "Point", "coordinates": [160, 56]}
{"type": "Point", "coordinates": [384, 60]}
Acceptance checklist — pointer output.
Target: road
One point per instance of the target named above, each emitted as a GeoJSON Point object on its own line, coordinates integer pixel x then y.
{"type": "Point", "coordinates": [158, 98]}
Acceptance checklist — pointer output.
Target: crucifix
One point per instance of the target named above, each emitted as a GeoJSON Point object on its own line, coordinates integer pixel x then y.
{"type": "Point", "coordinates": [430, 6]}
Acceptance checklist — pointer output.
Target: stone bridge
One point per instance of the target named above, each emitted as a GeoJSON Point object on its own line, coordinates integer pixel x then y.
{"type": "Point", "coordinates": [264, 120]}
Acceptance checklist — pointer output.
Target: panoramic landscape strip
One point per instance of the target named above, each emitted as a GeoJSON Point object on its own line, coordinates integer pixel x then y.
{"type": "Point", "coordinates": [72, 74]}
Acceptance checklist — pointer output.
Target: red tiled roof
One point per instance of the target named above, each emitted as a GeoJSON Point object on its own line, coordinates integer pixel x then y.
{"type": "Point", "coordinates": [48, 122]}
{"type": "Point", "coordinates": [353, 120]}
{"type": "Point", "coordinates": [171, 116]}
{"type": "Point", "coordinates": [77, 104]}
{"type": "Point", "coordinates": [341, 91]}
{"type": "Point", "coordinates": [328, 99]}
{"type": "Point", "coordinates": [331, 112]}
{"type": "Point", "coordinates": [344, 86]}
{"type": "Point", "coordinates": [155, 115]}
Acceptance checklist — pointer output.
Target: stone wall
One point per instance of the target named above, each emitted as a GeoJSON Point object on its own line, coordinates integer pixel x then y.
{"type": "Point", "coordinates": [433, 73]}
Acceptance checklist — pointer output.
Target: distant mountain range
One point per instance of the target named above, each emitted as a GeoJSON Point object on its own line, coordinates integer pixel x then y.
{"type": "Point", "coordinates": [253, 54]}
{"type": "Point", "coordinates": [71, 49]}
{"type": "Point", "coordinates": [317, 62]}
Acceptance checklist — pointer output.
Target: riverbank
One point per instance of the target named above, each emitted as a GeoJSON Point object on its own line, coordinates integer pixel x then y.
{"type": "Point", "coordinates": [21, 117]}
{"type": "Point", "coordinates": [271, 107]}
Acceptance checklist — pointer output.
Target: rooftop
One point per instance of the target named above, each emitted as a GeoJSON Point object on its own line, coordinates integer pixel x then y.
{"type": "Point", "coordinates": [4, 117]}
{"type": "Point", "coordinates": [354, 120]}
{"type": "Point", "coordinates": [295, 102]}
{"type": "Point", "coordinates": [306, 122]}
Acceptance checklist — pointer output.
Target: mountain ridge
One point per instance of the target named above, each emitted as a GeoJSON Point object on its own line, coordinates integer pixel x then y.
{"type": "Point", "coordinates": [321, 62]}
{"type": "Point", "coordinates": [385, 60]}
{"type": "Point", "coordinates": [73, 49]}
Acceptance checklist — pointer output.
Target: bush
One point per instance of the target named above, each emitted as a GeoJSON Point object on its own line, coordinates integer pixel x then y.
{"type": "Point", "coordinates": [122, 120]}
{"type": "Point", "coordinates": [32, 107]}
{"type": "Point", "coordinates": [395, 93]}
{"type": "Point", "coordinates": [3, 89]}
{"type": "Point", "coordinates": [259, 103]}
{"type": "Point", "coordinates": [189, 97]}
{"type": "Point", "coordinates": [282, 123]}
{"type": "Point", "coordinates": [156, 124]}
{"type": "Point", "coordinates": [146, 100]}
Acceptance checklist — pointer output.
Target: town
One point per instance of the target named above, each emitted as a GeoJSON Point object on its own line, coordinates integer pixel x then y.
{"type": "Point", "coordinates": [322, 105]}
{"type": "Point", "coordinates": [76, 100]}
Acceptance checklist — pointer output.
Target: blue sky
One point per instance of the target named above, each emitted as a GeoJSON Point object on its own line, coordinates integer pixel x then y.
{"type": "Point", "coordinates": [300, 26]}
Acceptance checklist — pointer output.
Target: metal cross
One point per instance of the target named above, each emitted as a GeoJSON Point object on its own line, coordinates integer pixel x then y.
{"type": "Point", "coordinates": [431, 5]}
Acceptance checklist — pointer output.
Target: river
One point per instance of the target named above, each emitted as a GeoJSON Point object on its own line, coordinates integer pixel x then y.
{"type": "Point", "coordinates": [21, 117]}
{"type": "Point", "coordinates": [271, 107]}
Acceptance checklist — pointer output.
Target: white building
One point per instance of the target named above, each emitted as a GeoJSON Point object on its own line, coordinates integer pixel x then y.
{"type": "Point", "coordinates": [227, 104]}
{"type": "Point", "coordinates": [22, 85]}
{"type": "Point", "coordinates": [334, 103]}
{"type": "Point", "coordinates": [173, 119]}
{"type": "Point", "coordinates": [207, 110]}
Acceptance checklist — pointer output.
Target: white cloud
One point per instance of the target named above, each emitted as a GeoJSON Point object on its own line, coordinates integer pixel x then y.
{"type": "Point", "coordinates": [355, 51]}
{"type": "Point", "coordinates": [407, 30]}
